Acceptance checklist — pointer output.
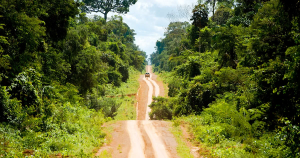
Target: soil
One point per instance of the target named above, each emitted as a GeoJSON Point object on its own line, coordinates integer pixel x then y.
{"type": "Point", "coordinates": [162, 128]}
{"type": "Point", "coordinates": [160, 83]}
{"type": "Point", "coordinates": [142, 137]}
{"type": "Point", "coordinates": [142, 99]}
{"type": "Point", "coordinates": [120, 143]}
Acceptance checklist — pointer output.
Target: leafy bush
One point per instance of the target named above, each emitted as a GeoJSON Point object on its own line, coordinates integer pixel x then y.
{"type": "Point", "coordinates": [23, 98]}
{"type": "Point", "coordinates": [175, 85]}
{"type": "Point", "coordinates": [115, 78]}
{"type": "Point", "coordinates": [160, 110]}
{"type": "Point", "coordinates": [66, 132]}
{"type": "Point", "coordinates": [226, 132]}
{"type": "Point", "coordinates": [108, 106]}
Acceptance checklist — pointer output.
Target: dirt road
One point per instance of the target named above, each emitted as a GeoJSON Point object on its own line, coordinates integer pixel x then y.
{"type": "Point", "coordinates": [144, 138]}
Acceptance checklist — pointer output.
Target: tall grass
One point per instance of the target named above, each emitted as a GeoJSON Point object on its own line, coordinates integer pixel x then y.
{"type": "Point", "coordinates": [127, 109]}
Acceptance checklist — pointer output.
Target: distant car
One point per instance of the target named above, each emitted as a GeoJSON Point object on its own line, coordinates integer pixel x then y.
{"type": "Point", "coordinates": [147, 74]}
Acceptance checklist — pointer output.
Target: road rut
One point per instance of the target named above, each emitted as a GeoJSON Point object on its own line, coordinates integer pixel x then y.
{"type": "Point", "coordinates": [147, 138]}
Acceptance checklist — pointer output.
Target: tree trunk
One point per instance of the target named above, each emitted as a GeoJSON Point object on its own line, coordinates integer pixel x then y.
{"type": "Point", "coordinates": [199, 40]}
{"type": "Point", "coordinates": [105, 16]}
{"type": "Point", "coordinates": [214, 2]}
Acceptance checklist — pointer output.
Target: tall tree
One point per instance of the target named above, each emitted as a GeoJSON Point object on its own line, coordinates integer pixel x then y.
{"type": "Point", "coordinates": [200, 18]}
{"type": "Point", "coordinates": [106, 6]}
{"type": "Point", "coordinates": [212, 3]}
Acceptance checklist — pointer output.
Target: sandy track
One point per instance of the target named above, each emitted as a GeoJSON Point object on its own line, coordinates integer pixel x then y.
{"type": "Point", "coordinates": [145, 138]}
{"type": "Point", "coordinates": [137, 143]}
{"type": "Point", "coordinates": [136, 140]}
{"type": "Point", "coordinates": [157, 143]}
{"type": "Point", "coordinates": [150, 92]}
{"type": "Point", "coordinates": [120, 145]}
{"type": "Point", "coordinates": [142, 99]}
{"type": "Point", "coordinates": [156, 87]}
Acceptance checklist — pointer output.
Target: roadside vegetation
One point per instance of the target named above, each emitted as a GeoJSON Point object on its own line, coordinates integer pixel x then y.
{"type": "Point", "coordinates": [182, 148]}
{"type": "Point", "coordinates": [61, 74]}
{"type": "Point", "coordinates": [234, 78]}
{"type": "Point", "coordinates": [127, 100]}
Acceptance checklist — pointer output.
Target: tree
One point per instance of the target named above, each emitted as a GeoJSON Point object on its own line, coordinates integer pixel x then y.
{"type": "Point", "coordinates": [200, 18]}
{"type": "Point", "coordinates": [221, 15]}
{"type": "Point", "coordinates": [106, 6]}
{"type": "Point", "coordinates": [212, 4]}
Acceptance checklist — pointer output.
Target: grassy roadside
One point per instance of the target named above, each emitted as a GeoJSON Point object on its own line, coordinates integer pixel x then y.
{"type": "Point", "coordinates": [182, 148]}
{"type": "Point", "coordinates": [73, 137]}
{"type": "Point", "coordinates": [127, 91]}
{"type": "Point", "coordinates": [130, 87]}
{"type": "Point", "coordinates": [127, 110]}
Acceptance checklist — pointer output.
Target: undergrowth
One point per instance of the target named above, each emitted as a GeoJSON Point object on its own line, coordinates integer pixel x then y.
{"type": "Point", "coordinates": [130, 87]}
{"type": "Point", "coordinates": [127, 109]}
{"type": "Point", "coordinates": [182, 149]}
{"type": "Point", "coordinates": [70, 126]}
{"type": "Point", "coordinates": [73, 131]}
{"type": "Point", "coordinates": [127, 99]}
{"type": "Point", "coordinates": [227, 140]}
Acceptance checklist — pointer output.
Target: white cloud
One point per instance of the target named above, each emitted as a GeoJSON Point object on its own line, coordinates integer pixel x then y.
{"type": "Point", "coordinates": [147, 42]}
{"type": "Point", "coordinates": [159, 29]}
{"type": "Point", "coordinates": [143, 5]}
{"type": "Point", "coordinates": [173, 3]}
{"type": "Point", "coordinates": [130, 18]}
{"type": "Point", "coordinates": [149, 19]}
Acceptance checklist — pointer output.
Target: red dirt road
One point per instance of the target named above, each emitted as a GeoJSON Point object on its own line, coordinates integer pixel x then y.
{"type": "Point", "coordinates": [143, 138]}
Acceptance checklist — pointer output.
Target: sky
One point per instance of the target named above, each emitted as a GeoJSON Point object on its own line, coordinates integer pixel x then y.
{"type": "Point", "coordinates": [149, 20]}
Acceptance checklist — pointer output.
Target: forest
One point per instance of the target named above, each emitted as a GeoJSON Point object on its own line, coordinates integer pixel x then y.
{"type": "Point", "coordinates": [233, 75]}
{"type": "Point", "coordinates": [56, 68]}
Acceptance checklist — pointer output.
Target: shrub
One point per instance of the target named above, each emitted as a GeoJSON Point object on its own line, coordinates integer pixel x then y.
{"type": "Point", "coordinates": [115, 78]}
{"type": "Point", "coordinates": [160, 109]}
{"type": "Point", "coordinates": [108, 106]}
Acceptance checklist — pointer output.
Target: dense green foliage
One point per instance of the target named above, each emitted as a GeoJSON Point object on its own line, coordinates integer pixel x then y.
{"type": "Point", "coordinates": [240, 90]}
{"type": "Point", "coordinates": [56, 67]}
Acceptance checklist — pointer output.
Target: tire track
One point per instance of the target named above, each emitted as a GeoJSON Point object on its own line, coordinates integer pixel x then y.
{"type": "Point", "coordinates": [142, 138]}
{"type": "Point", "coordinates": [157, 143]}
{"type": "Point", "coordinates": [143, 135]}
{"type": "Point", "coordinates": [150, 92]}
{"type": "Point", "coordinates": [136, 140]}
